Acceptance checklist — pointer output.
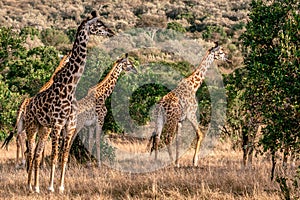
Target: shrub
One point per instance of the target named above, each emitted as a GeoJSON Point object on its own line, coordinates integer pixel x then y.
{"type": "Point", "coordinates": [176, 27]}
{"type": "Point", "coordinates": [152, 21]}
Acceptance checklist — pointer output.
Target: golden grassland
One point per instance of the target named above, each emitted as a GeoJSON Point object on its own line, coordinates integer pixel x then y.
{"type": "Point", "coordinates": [219, 175]}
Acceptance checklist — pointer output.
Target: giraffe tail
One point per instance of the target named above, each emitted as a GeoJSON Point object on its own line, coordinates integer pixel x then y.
{"type": "Point", "coordinates": [151, 141]}
{"type": "Point", "coordinates": [7, 140]}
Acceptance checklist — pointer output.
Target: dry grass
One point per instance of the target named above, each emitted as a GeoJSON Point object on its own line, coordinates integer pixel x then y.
{"type": "Point", "coordinates": [219, 176]}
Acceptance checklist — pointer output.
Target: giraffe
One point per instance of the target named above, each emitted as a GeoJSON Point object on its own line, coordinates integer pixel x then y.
{"type": "Point", "coordinates": [56, 107]}
{"type": "Point", "coordinates": [181, 104]}
{"type": "Point", "coordinates": [19, 126]}
{"type": "Point", "coordinates": [92, 109]}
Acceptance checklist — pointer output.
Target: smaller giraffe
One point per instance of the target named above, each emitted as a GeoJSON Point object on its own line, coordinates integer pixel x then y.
{"type": "Point", "coordinates": [181, 104]}
{"type": "Point", "coordinates": [92, 109]}
{"type": "Point", "coordinates": [19, 126]}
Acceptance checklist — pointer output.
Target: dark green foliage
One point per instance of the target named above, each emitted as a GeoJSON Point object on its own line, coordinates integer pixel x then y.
{"type": "Point", "coordinates": [272, 41]}
{"type": "Point", "coordinates": [98, 64]}
{"type": "Point", "coordinates": [71, 33]}
{"type": "Point", "coordinates": [271, 82]}
{"type": "Point", "coordinates": [27, 76]}
{"type": "Point", "coordinates": [214, 32]}
{"type": "Point", "coordinates": [22, 71]}
{"type": "Point", "coordinates": [205, 105]}
{"type": "Point", "coordinates": [9, 102]}
{"type": "Point", "coordinates": [176, 27]}
{"type": "Point", "coordinates": [31, 32]}
{"type": "Point", "coordinates": [181, 13]}
{"type": "Point", "coordinates": [143, 99]}
{"type": "Point", "coordinates": [110, 125]}
{"type": "Point", "coordinates": [11, 47]}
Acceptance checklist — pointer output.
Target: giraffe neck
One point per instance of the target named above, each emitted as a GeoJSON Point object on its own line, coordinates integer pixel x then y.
{"type": "Point", "coordinates": [71, 73]}
{"type": "Point", "coordinates": [195, 80]}
{"type": "Point", "coordinates": [107, 85]}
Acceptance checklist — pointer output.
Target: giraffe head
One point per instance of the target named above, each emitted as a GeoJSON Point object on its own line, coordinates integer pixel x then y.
{"type": "Point", "coordinates": [218, 53]}
{"type": "Point", "coordinates": [97, 27]}
{"type": "Point", "coordinates": [127, 65]}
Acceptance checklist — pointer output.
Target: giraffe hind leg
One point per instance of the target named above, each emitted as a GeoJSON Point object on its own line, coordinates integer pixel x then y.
{"type": "Point", "coordinates": [55, 134]}
{"type": "Point", "coordinates": [18, 151]}
{"type": "Point", "coordinates": [158, 131]}
{"type": "Point", "coordinates": [22, 140]}
{"type": "Point", "coordinates": [70, 131]}
{"type": "Point", "coordinates": [43, 135]}
{"type": "Point", "coordinates": [31, 133]}
{"type": "Point", "coordinates": [178, 142]}
{"type": "Point", "coordinates": [98, 142]}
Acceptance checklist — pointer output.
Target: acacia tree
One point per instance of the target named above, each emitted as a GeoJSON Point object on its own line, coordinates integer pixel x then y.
{"type": "Point", "coordinates": [272, 85]}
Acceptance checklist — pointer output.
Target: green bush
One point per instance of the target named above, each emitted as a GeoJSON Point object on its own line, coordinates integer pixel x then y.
{"type": "Point", "coordinates": [214, 32]}
{"type": "Point", "coordinates": [143, 99]}
{"type": "Point", "coordinates": [176, 27]}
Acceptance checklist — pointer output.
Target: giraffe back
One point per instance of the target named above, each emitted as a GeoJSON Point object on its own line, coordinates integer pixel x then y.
{"type": "Point", "coordinates": [62, 63]}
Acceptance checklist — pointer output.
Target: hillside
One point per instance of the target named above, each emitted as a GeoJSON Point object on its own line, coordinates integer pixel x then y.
{"type": "Point", "coordinates": [208, 20]}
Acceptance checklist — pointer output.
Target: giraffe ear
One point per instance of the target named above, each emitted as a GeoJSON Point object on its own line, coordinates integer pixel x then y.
{"type": "Point", "coordinates": [94, 14]}
{"type": "Point", "coordinates": [215, 48]}
{"type": "Point", "coordinates": [216, 44]}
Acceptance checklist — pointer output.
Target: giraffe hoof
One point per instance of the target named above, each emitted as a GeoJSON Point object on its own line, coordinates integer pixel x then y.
{"type": "Point", "coordinates": [61, 189]}
{"type": "Point", "coordinates": [29, 188]}
{"type": "Point", "coordinates": [50, 189]}
{"type": "Point", "coordinates": [36, 189]}
{"type": "Point", "coordinates": [99, 164]}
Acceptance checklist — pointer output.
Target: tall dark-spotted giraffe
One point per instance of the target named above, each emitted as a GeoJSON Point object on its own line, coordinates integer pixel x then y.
{"type": "Point", "coordinates": [56, 107]}
{"type": "Point", "coordinates": [19, 126]}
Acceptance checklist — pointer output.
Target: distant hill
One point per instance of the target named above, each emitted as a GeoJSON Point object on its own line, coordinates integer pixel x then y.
{"type": "Point", "coordinates": [209, 20]}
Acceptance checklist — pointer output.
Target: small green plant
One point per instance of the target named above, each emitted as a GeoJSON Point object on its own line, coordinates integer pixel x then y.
{"type": "Point", "coordinates": [176, 27]}
{"type": "Point", "coordinates": [212, 31]}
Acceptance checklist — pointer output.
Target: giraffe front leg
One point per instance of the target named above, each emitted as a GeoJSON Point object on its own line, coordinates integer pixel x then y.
{"type": "Point", "coordinates": [55, 133]}
{"type": "Point", "coordinates": [38, 156]}
{"type": "Point", "coordinates": [101, 116]}
{"type": "Point", "coordinates": [199, 136]}
{"type": "Point", "coordinates": [178, 142]}
{"type": "Point", "coordinates": [169, 147]}
{"type": "Point", "coordinates": [98, 144]}
{"type": "Point", "coordinates": [31, 132]}
{"type": "Point", "coordinates": [71, 129]}
{"type": "Point", "coordinates": [47, 132]}
{"type": "Point", "coordinates": [156, 142]}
